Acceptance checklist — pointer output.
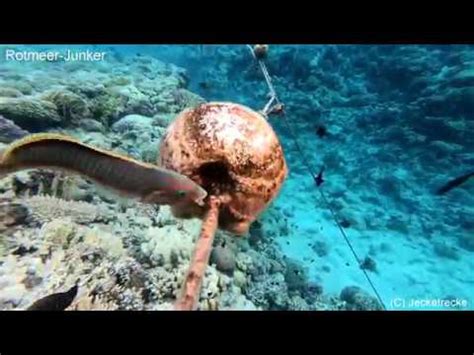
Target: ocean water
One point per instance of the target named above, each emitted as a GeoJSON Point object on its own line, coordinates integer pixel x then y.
{"type": "Point", "coordinates": [387, 125]}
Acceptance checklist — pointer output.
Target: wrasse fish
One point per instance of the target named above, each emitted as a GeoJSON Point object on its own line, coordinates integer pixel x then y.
{"type": "Point", "coordinates": [55, 302]}
{"type": "Point", "coordinates": [129, 177]}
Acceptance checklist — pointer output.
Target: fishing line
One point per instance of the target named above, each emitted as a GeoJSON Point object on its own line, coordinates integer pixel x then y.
{"type": "Point", "coordinates": [308, 166]}
{"type": "Point", "coordinates": [329, 207]}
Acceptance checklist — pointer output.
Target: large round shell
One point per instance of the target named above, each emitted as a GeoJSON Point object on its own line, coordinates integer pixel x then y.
{"type": "Point", "coordinates": [233, 153]}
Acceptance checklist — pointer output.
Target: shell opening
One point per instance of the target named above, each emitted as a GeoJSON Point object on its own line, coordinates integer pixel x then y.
{"type": "Point", "coordinates": [215, 178]}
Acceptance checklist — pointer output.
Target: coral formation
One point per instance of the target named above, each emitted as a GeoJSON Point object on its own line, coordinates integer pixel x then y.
{"type": "Point", "coordinates": [30, 113]}
{"type": "Point", "coordinates": [9, 92]}
{"type": "Point", "coordinates": [71, 107]}
{"type": "Point", "coordinates": [164, 247]}
{"type": "Point", "coordinates": [46, 208]}
{"type": "Point", "coordinates": [358, 300]}
{"type": "Point", "coordinates": [398, 123]}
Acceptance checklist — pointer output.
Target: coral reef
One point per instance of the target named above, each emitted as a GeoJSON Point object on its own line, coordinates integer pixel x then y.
{"type": "Point", "coordinates": [164, 247]}
{"type": "Point", "coordinates": [9, 92]}
{"type": "Point", "coordinates": [71, 107]}
{"type": "Point", "coordinates": [46, 208]}
{"type": "Point", "coordinates": [398, 122]}
{"type": "Point", "coordinates": [358, 300]}
{"type": "Point", "coordinates": [30, 113]}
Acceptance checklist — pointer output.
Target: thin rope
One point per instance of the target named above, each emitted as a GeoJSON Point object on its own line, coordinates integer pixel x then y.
{"type": "Point", "coordinates": [333, 213]}
{"type": "Point", "coordinates": [307, 165]}
{"type": "Point", "coordinates": [268, 80]}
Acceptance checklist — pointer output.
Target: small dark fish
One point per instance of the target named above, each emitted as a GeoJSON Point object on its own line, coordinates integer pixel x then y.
{"type": "Point", "coordinates": [22, 250]}
{"type": "Point", "coordinates": [368, 264]}
{"type": "Point", "coordinates": [319, 179]}
{"type": "Point", "coordinates": [321, 131]}
{"type": "Point", "coordinates": [345, 223]}
{"type": "Point", "coordinates": [204, 85]}
{"type": "Point", "coordinates": [55, 302]}
{"type": "Point", "coordinates": [454, 183]}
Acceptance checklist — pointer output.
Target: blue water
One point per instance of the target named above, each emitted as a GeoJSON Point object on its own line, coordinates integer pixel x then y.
{"type": "Point", "coordinates": [400, 123]}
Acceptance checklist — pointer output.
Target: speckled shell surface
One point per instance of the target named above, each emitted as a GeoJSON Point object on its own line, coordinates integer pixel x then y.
{"type": "Point", "coordinates": [233, 153]}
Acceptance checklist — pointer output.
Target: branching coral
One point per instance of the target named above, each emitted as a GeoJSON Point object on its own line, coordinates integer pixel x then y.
{"type": "Point", "coordinates": [106, 241]}
{"type": "Point", "coordinates": [71, 107]}
{"type": "Point", "coordinates": [44, 182]}
{"type": "Point", "coordinates": [12, 273]}
{"type": "Point", "coordinates": [164, 284]}
{"type": "Point", "coordinates": [272, 293]}
{"type": "Point", "coordinates": [166, 246]}
{"type": "Point", "coordinates": [58, 232]}
{"type": "Point", "coordinates": [47, 208]}
{"type": "Point", "coordinates": [107, 107]}
{"type": "Point", "coordinates": [91, 303]}
{"type": "Point", "coordinates": [69, 253]}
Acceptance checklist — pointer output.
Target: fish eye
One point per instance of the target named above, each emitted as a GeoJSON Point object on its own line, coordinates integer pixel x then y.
{"type": "Point", "coordinates": [181, 193]}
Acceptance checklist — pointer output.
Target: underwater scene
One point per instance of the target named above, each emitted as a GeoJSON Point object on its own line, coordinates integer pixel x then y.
{"type": "Point", "coordinates": [237, 177]}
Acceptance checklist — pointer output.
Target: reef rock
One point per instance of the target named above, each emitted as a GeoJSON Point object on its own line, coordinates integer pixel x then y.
{"type": "Point", "coordinates": [132, 122]}
{"type": "Point", "coordinates": [296, 276]}
{"type": "Point", "coordinates": [30, 112]}
{"type": "Point", "coordinates": [271, 293]}
{"type": "Point", "coordinates": [358, 300]}
{"type": "Point", "coordinates": [91, 125]}
{"type": "Point", "coordinates": [224, 259]}
{"type": "Point", "coordinates": [9, 92]}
